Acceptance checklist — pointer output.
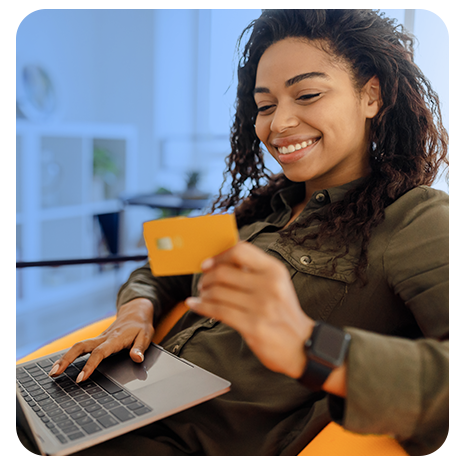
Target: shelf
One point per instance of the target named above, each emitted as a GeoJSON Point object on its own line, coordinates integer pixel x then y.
{"type": "Point", "coordinates": [61, 171]}
{"type": "Point", "coordinates": [109, 154]}
{"type": "Point", "coordinates": [56, 202]}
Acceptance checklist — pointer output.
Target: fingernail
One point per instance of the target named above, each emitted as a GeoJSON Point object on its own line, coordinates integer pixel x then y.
{"type": "Point", "coordinates": [54, 370]}
{"type": "Point", "coordinates": [207, 264]}
{"type": "Point", "coordinates": [139, 354]}
{"type": "Point", "coordinates": [192, 302]}
{"type": "Point", "coordinates": [80, 377]}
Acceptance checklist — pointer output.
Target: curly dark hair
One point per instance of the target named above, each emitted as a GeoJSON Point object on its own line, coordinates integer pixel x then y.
{"type": "Point", "coordinates": [407, 146]}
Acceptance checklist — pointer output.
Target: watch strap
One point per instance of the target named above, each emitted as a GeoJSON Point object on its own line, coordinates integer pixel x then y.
{"type": "Point", "coordinates": [325, 349]}
{"type": "Point", "coordinates": [314, 375]}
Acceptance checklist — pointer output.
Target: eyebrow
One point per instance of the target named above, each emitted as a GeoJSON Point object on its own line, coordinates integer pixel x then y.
{"type": "Point", "coordinates": [295, 80]}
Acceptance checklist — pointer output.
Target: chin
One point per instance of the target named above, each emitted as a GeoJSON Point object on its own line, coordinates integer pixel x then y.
{"type": "Point", "coordinates": [295, 175]}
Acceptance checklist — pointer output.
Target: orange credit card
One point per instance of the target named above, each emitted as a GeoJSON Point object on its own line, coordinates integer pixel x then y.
{"type": "Point", "coordinates": [179, 245]}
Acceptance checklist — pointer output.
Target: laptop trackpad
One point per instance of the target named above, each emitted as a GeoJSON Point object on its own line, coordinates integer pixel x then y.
{"type": "Point", "coordinates": [157, 365]}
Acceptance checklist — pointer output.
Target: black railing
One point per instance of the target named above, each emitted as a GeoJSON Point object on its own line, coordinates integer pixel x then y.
{"type": "Point", "coordinates": [70, 262]}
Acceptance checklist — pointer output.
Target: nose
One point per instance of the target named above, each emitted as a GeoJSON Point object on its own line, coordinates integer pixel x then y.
{"type": "Point", "coordinates": [283, 119]}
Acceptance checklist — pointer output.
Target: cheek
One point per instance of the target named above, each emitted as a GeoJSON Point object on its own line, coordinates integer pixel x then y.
{"type": "Point", "coordinates": [262, 130]}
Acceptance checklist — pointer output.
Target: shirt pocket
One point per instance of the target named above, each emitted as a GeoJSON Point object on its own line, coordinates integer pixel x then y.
{"type": "Point", "coordinates": [320, 281]}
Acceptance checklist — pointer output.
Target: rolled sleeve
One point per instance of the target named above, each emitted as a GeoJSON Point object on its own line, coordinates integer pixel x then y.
{"type": "Point", "coordinates": [163, 292]}
{"type": "Point", "coordinates": [397, 387]}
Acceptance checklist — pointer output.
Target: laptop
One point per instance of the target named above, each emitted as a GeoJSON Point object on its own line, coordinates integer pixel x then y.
{"type": "Point", "coordinates": [61, 417]}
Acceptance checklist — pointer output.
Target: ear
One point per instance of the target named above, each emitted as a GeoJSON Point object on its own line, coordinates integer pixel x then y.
{"type": "Point", "coordinates": [373, 98]}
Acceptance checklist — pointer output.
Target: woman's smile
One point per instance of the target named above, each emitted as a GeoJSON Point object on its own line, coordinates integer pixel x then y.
{"type": "Point", "coordinates": [292, 153]}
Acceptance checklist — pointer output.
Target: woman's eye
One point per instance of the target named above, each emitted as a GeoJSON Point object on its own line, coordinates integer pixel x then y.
{"type": "Point", "coordinates": [308, 96]}
{"type": "Point", "coordinates": [263, 109]}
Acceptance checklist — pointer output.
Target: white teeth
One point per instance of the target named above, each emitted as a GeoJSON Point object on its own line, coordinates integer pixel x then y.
{"type": "Point", "coordinates": [298, 146]}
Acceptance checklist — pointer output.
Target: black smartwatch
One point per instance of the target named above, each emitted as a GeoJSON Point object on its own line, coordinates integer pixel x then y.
{"type": "Point", "coordinates": [325, 349]}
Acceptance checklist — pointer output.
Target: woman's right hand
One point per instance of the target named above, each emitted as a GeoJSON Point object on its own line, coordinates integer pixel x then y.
{"type": "Point", "coordinates": [132, 329]}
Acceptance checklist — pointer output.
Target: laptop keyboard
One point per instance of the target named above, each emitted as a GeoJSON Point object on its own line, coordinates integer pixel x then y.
{"type": "Point", "coordinates": [70, 410]}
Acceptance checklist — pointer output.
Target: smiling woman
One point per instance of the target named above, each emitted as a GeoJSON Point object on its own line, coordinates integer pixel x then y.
{"type": "Point", "coordinates": [304, 99]}
{"type": "Point", "coordinates": [334, 306]}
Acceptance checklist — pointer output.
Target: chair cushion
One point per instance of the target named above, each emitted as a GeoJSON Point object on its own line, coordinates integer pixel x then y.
{"type": "Point", "coordinates": [334, 440]}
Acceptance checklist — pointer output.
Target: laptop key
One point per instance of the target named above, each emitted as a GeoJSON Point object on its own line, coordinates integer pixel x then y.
{"type": "Point", "coordinates": [111, 405]}
{"type": "Point", "coordinates": [67, 404]}
{"type": "Point", "coordinates": [70, 429]}
{"type": "Point", "coordinates": [91, 428]}
{"type": "Point", "coordinates": [99, 413]}
{"type": "Point", "coordinates": [92, 407]}
{"type": "Point", "coordinates": [61, 438]}
{"type": "Point", "coordinates": [75, 436]}
{"type": "Point", "coordinates": [50, 406]}
{"type": "Point", "coordinates": [78, 415]}
{"type": "Point", "coordinates": [141, 411]}
{"type": "Point", "coordinates": [64, 424]}
{"type": "Point", "coordinates": [128, 400]}
{"type": "Point", "coordinates": [59, 418]}
{"type": "Point", "coordinates": [45, 364]}
{"type": "Point", "coordinates": [135, 405]}
{"type": "Point", "coordinates": [72, 410]}
{"type": "Point", "coordinates": [87, 385]}
{"type": "Point", "coordinates": [107, 421]}
{"type": "Point", "coordinates": [122, 413]}
{"type": "Point", "coordinates": [85, 420]}
{"type": "Point", "coordinates": [86, 402]}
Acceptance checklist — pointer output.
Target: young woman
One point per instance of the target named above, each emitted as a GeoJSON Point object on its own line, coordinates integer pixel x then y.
{"type": "Point", "coordinates": [346, 248]}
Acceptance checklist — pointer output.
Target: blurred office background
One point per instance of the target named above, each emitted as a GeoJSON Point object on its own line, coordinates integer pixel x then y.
{"type": "Point", "coordinates": [113, 104]}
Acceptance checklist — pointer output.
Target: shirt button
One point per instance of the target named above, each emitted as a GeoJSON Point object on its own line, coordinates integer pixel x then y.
{"type": "Point", "coordinates": [305, 260]}
{"type": "Point", "coordinates": [175, 349]}
{"type": "Point", "coordinates": [320, 198]}
{"type": "Point", "coordinates": [212, 320]}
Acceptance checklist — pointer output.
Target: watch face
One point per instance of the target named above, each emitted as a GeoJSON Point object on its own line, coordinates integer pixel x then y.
{"type": "Point", "coordinates": [329, 344]}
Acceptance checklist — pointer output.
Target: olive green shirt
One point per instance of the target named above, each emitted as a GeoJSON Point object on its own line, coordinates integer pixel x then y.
{"type": "Point", "coordinates": [397, 365]}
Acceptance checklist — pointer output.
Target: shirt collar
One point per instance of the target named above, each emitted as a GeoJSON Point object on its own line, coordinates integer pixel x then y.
{"type": "Point", "coordinates": [295, 193]}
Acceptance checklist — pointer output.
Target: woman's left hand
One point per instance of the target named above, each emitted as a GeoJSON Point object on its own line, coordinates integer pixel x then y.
{"type": "Point", "coordinates": [252, 292]}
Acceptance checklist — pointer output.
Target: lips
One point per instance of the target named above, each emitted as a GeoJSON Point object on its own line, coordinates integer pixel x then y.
{"type": "Point", "coordinates": [293, 152]}
{"type": "Point", "coordinates": [295, 147]}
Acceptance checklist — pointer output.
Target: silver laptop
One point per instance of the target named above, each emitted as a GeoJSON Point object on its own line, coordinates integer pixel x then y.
{"type": "Point", "coordinates": [62, 417]}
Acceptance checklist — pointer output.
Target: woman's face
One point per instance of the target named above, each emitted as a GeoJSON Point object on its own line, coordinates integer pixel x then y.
{"type": "Point", "coordinates": [310, 117]}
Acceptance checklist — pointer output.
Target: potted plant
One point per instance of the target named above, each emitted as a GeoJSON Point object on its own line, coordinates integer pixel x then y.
{"type": "Point", "coordinates": [192, 192]}
{"type": "Point", "coordinates": [105, 173]}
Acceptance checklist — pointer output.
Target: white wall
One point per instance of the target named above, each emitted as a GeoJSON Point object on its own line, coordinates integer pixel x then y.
{"type": "Point", "coordinates": [55, 40]}
{"type": "Point", "coordinates": [102, 64]}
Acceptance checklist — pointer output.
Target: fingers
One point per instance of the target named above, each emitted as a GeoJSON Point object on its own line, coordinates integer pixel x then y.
{"type": "Point", "coordinates": [141, 343]}
{"type": "Point", "coordinates": [243, 255]}
{"type": "Point", "coordinates": [233, 316]}
{"type": "Point", "coordinates": [229, 276]}
{"type": "Point", "coordinates": [74, 352]}
{"type": "Point", "coordinates": [100, 348]}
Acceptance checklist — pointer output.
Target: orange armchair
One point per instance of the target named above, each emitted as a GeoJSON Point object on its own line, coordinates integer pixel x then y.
{"type": "Point", "coordinates": [333, 440]}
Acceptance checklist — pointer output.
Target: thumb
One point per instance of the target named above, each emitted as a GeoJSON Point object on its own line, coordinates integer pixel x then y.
{"type": "Point", "coordinates": [141, 343]}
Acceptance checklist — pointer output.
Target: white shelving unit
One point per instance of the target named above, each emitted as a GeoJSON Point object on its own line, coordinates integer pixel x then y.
{"type": "Point", "coordinates": [58, 195]}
